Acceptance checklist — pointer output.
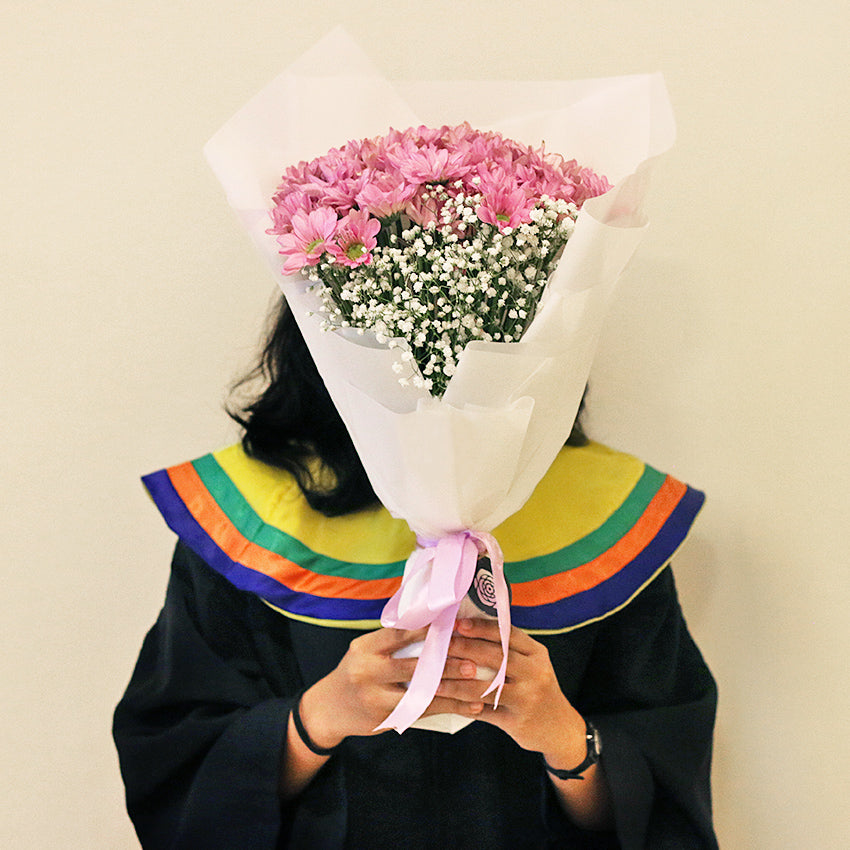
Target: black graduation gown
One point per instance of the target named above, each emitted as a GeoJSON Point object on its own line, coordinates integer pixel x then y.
{"type": "Point", "coordinates": [201, 726]}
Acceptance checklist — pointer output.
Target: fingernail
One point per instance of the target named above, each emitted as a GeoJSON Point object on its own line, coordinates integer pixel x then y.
{"type": "Point", "coordinates": [468, 669]}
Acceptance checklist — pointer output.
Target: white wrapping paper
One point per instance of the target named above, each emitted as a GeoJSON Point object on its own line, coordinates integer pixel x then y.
{"type": "Point", "coordinates": [472, 458]}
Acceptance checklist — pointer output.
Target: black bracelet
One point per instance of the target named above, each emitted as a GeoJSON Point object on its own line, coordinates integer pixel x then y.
{"type": "Point", "coordinates": [308, 742]}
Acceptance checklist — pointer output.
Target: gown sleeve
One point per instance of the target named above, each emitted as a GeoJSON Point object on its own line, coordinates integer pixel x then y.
{"type": "Point", "coordinates": [200, 732]}
{"type": "Point", "coordinates": [201, 727]}
{"type": "Point", "coordinates": [653, 699]}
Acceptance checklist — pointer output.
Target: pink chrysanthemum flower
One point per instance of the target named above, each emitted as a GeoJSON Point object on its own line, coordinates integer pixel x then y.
{"type": "Point", "coordinates": [340, 196]}
{"type": "Point", "coordinates": [384, 195]}
{"type": "Point", "coordinates": [308, 239]}
{"type": "Point", "coordinates": [430, 207]}
{"type": "Point", "coordinates": [423, 211]}
{"type": "Point", "coordinates": [506, 207]}
{"type": "Point", "coordinates": [590, 185]}
{"type": "Point", "coordinates": [429, 164]}
{"type": "Point", "coordinates": [286, 207]}
{"type": "Point", "coordinates": [355, 239]}
{"type": "Point", "coordinates": [368, 152]}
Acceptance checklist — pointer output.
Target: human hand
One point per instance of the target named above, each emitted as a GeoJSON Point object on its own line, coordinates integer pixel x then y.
{"type": "Point", "coordinates": [532, 708]}
{"type": "Point", "coordinates": [365, 687]}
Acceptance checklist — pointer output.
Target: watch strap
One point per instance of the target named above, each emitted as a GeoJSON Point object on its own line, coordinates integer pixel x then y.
{"type": "Point", "coordinates": [591, 758]}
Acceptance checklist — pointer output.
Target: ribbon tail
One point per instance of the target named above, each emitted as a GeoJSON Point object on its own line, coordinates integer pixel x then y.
{"type": "Point", "coordinates": [426, 676]}
{"type": "Point", "coordinates": [503, 611]}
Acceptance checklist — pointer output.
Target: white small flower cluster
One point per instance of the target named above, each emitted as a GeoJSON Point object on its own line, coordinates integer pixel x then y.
{"type": "Point", "coordinates": [431, 290]}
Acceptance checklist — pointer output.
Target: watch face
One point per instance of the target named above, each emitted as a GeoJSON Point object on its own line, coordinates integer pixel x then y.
{"type": "Point", "coordinates": [595, 742]}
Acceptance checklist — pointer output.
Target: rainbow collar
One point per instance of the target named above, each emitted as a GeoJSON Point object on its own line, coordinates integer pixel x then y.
{"type": "Point", "coordinates": [598, 527]}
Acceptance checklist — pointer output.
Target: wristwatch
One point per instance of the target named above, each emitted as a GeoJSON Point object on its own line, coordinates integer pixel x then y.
{"type": "Point", "coordinates": [594, 750]}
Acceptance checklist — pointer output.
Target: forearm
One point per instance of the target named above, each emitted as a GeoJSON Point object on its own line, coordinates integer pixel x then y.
{"type": "Point", "coordinates": [299, 764]}
{"type": "Point", "coordinates": [352, 699]}
{"type": "Point", "coordinates": [586, 799]}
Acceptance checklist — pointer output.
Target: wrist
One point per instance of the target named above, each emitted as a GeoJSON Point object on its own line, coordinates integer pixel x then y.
{"type": "Point", "coordinates": [569, 747]}
{"type": "Point", "coordinates": [591, 751]}
{"type": "Point", "coordinates": [317, 723]}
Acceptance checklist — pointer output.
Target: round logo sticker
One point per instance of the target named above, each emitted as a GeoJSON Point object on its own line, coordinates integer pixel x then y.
{"type": "Point", "coordinates": [483, 589]}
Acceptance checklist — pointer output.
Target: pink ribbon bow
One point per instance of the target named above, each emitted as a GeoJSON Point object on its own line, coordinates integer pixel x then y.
{"type": "Point", "coordinates": [437, 576]}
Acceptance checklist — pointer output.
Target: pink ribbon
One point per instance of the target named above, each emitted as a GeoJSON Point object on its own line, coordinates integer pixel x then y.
{"type": "Point", "coordinates": [442, 571]}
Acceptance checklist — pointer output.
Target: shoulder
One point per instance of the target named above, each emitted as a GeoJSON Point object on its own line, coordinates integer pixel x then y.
{"type": "Point", "coordinates": [583, 488]}
{"type": "Point", "coordinates": [599, 528]}
{"type": "Point", "coordinates": [263, 505]}
{"type": "Point", "coordinates": [600, 525]}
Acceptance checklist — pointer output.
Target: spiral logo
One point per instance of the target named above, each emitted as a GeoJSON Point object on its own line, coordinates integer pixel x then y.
{"type": "Point", "coordinates": [485, 588]}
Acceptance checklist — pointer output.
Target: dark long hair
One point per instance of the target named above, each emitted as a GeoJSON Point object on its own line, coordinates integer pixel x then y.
{"type": "Point", "coordinates": [292, 423]}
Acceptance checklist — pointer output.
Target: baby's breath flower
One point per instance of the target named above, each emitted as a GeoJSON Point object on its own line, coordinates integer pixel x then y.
{"type": "Point", "coordinates": [439, 275]}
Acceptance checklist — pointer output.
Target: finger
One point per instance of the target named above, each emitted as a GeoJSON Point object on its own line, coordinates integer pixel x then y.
{"type": "Point", "coordinates": [447, 705]}
{"type": "Point", "coordinates": [406, 637]}
{"type": "Point", "coordinates": [396, 671]}
{"type": "Point", "coordinates": [460, 668]}
{"type": "Point", "coordinates": [479, 627]}
{"type": "Point", "coordinates": [499, 717]}
{"type": "Point", "coordinates": [464, 690]}
{"type": "Point", "coordinates": [392, 640]}
{"type": "Point", "coordinates": [484, 653]}
{"type": "Point", "coordinates": [487, 657]}
{"type": "Point", "coordinates": [482, 629]}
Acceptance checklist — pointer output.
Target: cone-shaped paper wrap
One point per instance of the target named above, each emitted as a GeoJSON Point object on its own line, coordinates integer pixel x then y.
{"type": "Point", "coordinates": [471, 459]}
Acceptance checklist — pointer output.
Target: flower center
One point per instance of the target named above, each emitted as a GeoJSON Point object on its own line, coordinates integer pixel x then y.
{"type": "Point", "coordinates": [502, 217]}
{"type": "Point", "coordinates": [355, 251]}
{"type": "Point", "coordinates": [311, 246]}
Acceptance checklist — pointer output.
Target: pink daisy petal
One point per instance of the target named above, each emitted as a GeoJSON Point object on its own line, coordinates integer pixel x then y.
{"type": "Point", "coordinates": [355, 239]}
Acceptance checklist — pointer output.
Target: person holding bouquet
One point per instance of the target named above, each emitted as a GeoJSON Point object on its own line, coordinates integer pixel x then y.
{"type": "Point", "coordinates": [414, 534]}
{"type": "Point", "coordinates": [210, 748]}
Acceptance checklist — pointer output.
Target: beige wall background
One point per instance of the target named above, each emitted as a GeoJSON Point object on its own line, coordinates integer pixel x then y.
{"type": "Point", "coordinates": [130, 300]}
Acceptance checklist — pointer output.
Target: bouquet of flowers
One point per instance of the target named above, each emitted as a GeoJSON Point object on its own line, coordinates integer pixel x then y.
{"type": "Point", "coordinates": [431, 238]}
{"type": "Point", "coordinates": [456, 407]}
